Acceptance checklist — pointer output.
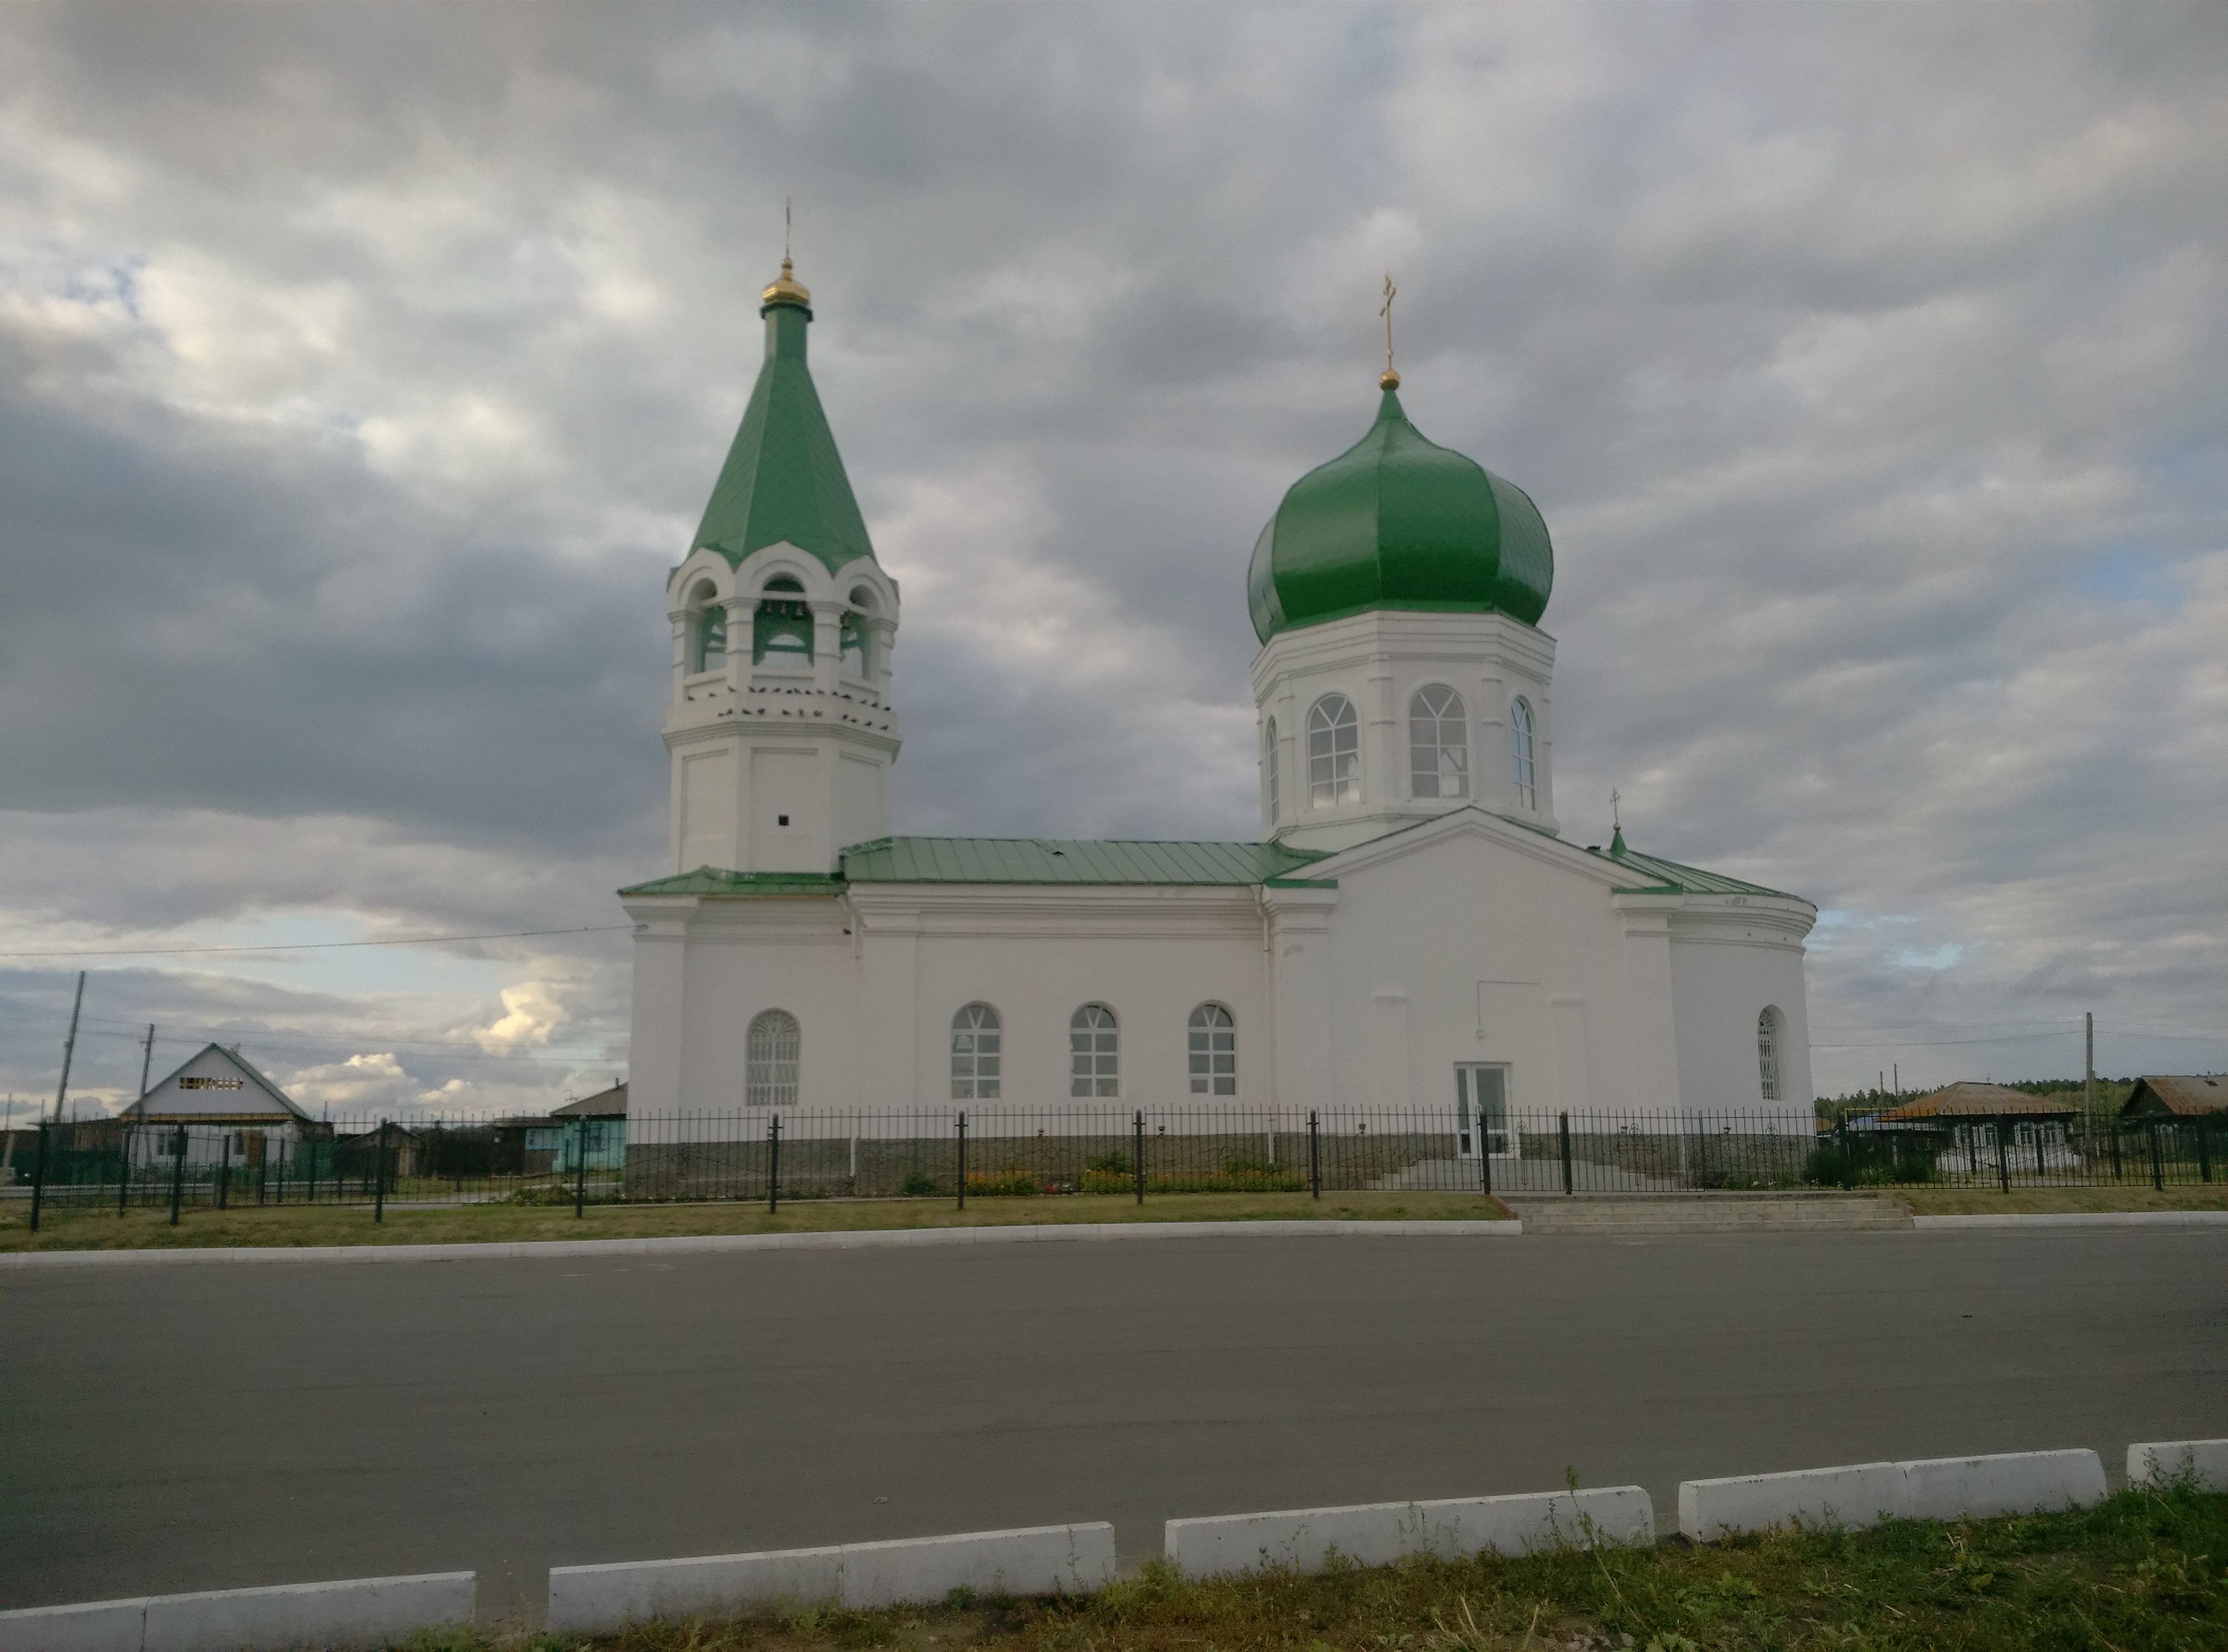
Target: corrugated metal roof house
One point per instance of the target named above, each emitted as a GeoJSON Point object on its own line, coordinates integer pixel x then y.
{"type": "Point", "coordinates": [2160, 1095]}
{"type": "Point", "coordinates": [1983, 1100]}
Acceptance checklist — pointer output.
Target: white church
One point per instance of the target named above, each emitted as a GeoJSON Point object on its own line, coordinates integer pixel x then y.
{"type": "Point", "coordinates": [1411, 931]}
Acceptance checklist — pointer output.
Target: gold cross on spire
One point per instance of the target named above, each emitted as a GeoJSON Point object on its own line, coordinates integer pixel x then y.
{"type": "Point", "coordinates": [1389, 380]}
{"type": "Point", "coordinates": [788, 223]}
{"type": "Point", "coordinates": [1616, 821]}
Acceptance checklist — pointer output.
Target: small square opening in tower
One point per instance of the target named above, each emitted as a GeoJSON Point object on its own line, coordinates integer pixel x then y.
{"type": "Point", "coordinates": [781, 820]}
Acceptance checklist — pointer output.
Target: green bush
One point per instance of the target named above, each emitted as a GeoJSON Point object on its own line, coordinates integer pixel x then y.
{"type": "Point", "coordinates": [1112, 1164]}
{"type": "Point", "coordinates": [919, 1184]}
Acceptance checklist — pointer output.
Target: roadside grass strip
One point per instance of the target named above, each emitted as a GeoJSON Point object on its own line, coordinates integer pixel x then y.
{"type": "Point", "coordinates": [2142, 1572]}
{"type": "Point", "coordinates": [63, 1227]}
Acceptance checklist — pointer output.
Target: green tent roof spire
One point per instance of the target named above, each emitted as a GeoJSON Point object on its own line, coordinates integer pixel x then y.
{"type": "Point", "coordinates": [784, 479]}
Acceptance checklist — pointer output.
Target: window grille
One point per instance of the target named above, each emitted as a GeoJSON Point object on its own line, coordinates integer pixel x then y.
{"type": "Point", "coordinates": [1520, 755]}
{"type": "Point", "coordinates": [1333, 754]}
{"type": "Point", "coordinates": [1767, 1053]}
{"type": "Point", "coordinates": [1438, 744]}
{"type": "Point", "coordinates": [976, 1058]}
{"type": "Point", "coordinates": [771, 1060]}
{"type": "Point", "coordinates": [1094, 1053]}
{"type": "Point", "coordinates": [1213, 1051]}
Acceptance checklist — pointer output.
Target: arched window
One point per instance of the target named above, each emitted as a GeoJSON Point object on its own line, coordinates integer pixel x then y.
{"type": "Point", "coordinates": [1520, 769]}
{"type": "Point", "coordinates": [1438, 744]}
{"type": "Point", "coordinates": [1767, 1052]}
{"type": "Point", "coordinates": [1333, 753]}
{"type": "Point", "coordinates": [975, 1052]}
{"type": "Point", "coordinates": [1269, 772]}
{"type": "Point", "coordinates": [1213, 1051]}
{"type": "Point", "coordinates": [707, 630]}
{"type": "Point", "coordinates": [857, 641]}
{"type": "Point", "coordinates": [781, 634]}
{"type": "Point", "coordinates": [1094, 1045]}
{"type": "Point", "coordinates": [770, 1061]}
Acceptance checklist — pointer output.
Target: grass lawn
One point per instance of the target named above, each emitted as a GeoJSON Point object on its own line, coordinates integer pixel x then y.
{"type": "Point", "coordinates": [68, 1229]}
{"type": "Point", "coordinates": [2141, 1573]}
{"type": "Point", "coordinates": [2037, 1201]}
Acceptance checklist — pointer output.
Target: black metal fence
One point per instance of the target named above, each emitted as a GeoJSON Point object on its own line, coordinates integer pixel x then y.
{"type": "Point", "coordinates": [962, 1153]}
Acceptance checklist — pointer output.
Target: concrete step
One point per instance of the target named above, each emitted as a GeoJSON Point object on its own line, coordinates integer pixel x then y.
{"type": "Point", "coordinates": [1709, 1214]}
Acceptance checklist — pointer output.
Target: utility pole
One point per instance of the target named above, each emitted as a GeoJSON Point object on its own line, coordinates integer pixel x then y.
{"type": "Point", "coordinates": [2089, 1083]}
{"type": "Point", "coordinates": [147, 1061]}
{"type": "Point", "coordinates": [69, 1048]}
{"type": "Point", "coordinates": [1895, 1067]}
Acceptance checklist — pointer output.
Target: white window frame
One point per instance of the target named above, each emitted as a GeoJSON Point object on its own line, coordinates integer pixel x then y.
{"type": "Point", "coordinates": [1438, 743]}
{"type": "Point", "coordinates": [1333, 753]}
{"type": "Point", "coordinates": [1271, 772]}
{"type": "Point", "coordinates": [1523, 765]}
{"type": "Point", "coordinates": [977, 1053]}
{"type": "Point", "coordinates": [773, 1053]}
{"type": "Point", "coordinates": [1094, 1053]}
{"type": "Point", "coordinates": [1211, 1040]}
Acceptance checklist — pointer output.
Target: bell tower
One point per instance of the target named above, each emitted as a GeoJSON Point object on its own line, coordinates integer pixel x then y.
{"type": "Point", "coordinates": [780, 725]}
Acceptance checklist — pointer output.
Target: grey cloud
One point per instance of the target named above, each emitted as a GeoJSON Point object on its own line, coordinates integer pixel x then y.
{"type": "Point", "coordinates": [1842, 348]}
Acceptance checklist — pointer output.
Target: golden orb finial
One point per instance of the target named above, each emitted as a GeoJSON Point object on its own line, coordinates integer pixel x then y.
{"type": "Point", "coordinates": [1388, 380]}
{"type": "Point", "coordinates": [786, 286]}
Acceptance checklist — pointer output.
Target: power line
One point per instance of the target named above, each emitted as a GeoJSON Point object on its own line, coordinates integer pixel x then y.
{"type": "Point", "coordinates": [311, 946]}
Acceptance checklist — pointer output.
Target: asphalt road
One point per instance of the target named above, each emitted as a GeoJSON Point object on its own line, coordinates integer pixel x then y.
{"type": "Point", "coordinates": [177, 1428]}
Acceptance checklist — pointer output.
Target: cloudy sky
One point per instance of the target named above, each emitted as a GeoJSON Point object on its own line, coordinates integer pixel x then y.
{"type": "Point", "coordinates": [362, 369]}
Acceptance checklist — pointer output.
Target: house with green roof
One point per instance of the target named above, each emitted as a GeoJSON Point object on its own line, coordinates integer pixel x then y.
{"type": "Point", "coordinates": [1410, 931]}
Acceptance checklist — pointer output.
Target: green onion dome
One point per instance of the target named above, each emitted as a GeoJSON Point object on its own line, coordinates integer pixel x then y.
{"type": "Point", "coordinates": [1399, 523]}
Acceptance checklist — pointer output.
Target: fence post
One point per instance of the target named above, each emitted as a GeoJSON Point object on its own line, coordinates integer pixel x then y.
{"type": "Point", "coordinates": [39, 1176]}
{"type": "Point", "coordinates": [1315, 1159]}
{"type": "Point", "coordinates": [177, 1171]}
{"type": "Point", "coordinates": [1138, 1155]}
{"type": "Point", "coordinates": [2204, 1148]}
{"type": "Point", "coordinates": [1841, 1147]}
{"type": "Point", "coordinates": [379, 1175]}
{"type": "Point", "coordinates": [224, 1175]}
{"type": "Point", "coordinates": [2003, 1155]}
{"type": "Point", "coordinates": [580, 1171]}
{"type": "Point", "coordinates": [1563, 1128]}
{"type": "Point", "coordinates": [773, 1163]}
{"type": "Point", "coordinates": [311, 1141]}
{"type": "Point", "coordinates": [1484, 1156]}
{"type": "Point", "coordinates": [2158, 1169]}
{"type": "Point", "coordinates": [124, 1178]}
{"type": "Point", "coordinates": [963, 1159]}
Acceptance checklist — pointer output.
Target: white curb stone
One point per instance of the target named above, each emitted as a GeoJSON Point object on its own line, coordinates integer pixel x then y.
{"type": "Point", "coordinates": [1034, 1560]}
{"type": "Point", "coordinates": [1860, 1495]}
{"type": "Point", "coordinates": [2160, 1462]}
{"type": "Point", "coordinates": [2015, 1482]}
{"type": "Point", "coordinates": [360, 1612]}
{"type": "Point", "coordinates": [97, 1626]}
{"type": "Point", "coordinates": [2081, 1219]}
{"type": "Point", "coordinates": [1038, 1560]}
{"type": "Point", "coordinates": [1377, 1534]}
{"type": "Point", "coordinates": [588, 1600]}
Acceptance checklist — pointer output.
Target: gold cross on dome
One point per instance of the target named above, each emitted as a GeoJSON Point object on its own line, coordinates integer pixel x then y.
{"type": "Point", "coordinates": [1615, 822]}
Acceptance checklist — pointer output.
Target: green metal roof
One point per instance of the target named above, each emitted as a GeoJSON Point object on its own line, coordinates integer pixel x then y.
{"type": "Point", "coordinates": [1398, 523]}
{"type": "Point", "coordinates": [711, 881]}
{"type": "Point", "coordinates": [1669, 877]}
{"type": "Point", "coordinates": [1069, 860]}
{"type": "Point", "coordinates": [784, 479]}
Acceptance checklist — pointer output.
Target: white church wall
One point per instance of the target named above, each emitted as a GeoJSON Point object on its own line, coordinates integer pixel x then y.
{"type": "Point", "coordinates": [1036, 955]}
{"type": "Point", "coordinates": [1378, 661]}
{"type": "Point", "coordinates": [1728, 964]}
{"type": "Point", "coordinates": [1469, 947]}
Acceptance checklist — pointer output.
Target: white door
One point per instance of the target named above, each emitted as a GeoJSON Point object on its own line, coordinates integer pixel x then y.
{"type": "Point", "coordinates": [1481, 1110]}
